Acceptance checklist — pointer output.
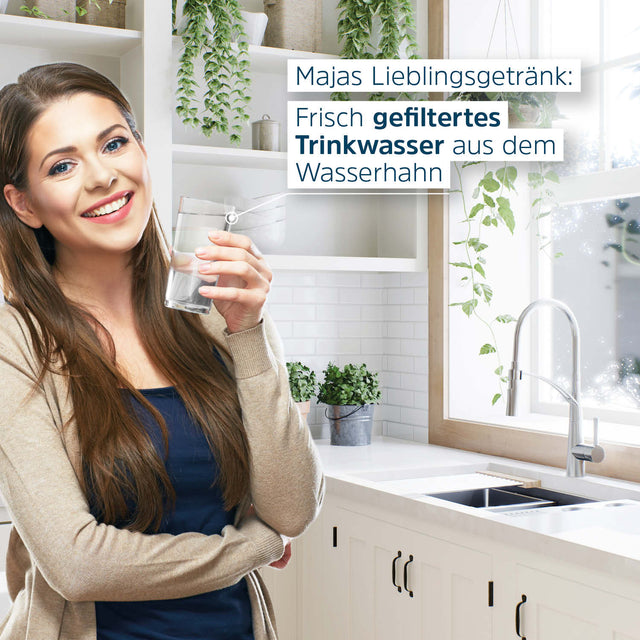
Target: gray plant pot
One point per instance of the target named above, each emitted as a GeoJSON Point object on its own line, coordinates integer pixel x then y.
{"type": "Point", "coordinates": [350, 424]}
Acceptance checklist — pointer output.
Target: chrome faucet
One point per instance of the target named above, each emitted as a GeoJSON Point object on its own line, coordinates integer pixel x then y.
{"type": "Point", "coordinates": [577, 451]}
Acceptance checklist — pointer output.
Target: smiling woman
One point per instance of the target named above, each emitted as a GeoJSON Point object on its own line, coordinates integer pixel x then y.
{"type": "Point", "coordinates": [125, 426]}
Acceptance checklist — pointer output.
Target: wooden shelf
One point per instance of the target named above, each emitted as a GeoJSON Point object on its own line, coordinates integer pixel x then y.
{"type": "Point", "coordinates": [67, 36]}
{"type": "Point", "coordinates": [342, 263]}
{"type": "Point", "coordinates": [270, 59]}
{"type": "Point", "coordinates": [229, 157]}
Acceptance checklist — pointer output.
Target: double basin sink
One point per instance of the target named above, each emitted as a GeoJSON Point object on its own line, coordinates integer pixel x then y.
{"type": "Point", "coordinates": [510, 498]}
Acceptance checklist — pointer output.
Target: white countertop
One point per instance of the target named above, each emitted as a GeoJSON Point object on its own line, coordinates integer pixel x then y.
{"type": "Point", "coordinates": [391, 473]}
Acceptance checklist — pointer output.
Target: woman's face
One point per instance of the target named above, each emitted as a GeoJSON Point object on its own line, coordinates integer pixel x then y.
{"type": "Point", "coordinates": [88, 179]}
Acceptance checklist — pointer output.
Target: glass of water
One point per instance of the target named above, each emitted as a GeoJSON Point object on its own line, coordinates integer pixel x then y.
{"type": "Point", "coordinates": [196, 218]}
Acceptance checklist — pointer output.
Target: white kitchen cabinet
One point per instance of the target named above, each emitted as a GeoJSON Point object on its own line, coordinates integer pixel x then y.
{"type": "Point", "coordinates": [559, 608]}
{"type": "Point", "coordinates": [384, 580]}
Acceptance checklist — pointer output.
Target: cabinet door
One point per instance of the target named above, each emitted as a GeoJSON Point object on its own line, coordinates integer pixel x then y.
{"type": "Point", "coordinates": [444, 596]}
{"type": "Point", "coordinates": [561, 609]}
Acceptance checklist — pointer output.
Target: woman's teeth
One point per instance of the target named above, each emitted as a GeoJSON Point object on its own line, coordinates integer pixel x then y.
{"type": "Point", "coordinates": [107, 208]}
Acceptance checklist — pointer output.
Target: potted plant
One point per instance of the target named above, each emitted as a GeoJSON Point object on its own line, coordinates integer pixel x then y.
{"type": "Point", "coordinates": [351, 394]}
{"type": "Point", "coordinates": [213, 31]}
{"type": "Point", "coordinates": [64, 10]}
{"type": "Point", "coordinates": [526, 109]}
{"type": "Point", "coordinates": [105, 13]}
{"type": "Point", "coordinates": [302, 382]}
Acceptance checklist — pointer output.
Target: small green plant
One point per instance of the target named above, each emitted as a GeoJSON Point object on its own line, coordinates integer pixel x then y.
{"type": "Point", "coordinates": [36, 12]}
{"type": "Point", "coordinates": [628, 227]}
{"type": "Point", "coordinates": [225, 67]}
{"type": "Point", "coordinates": [354, 385]}
{"type": "Point", "coordinates": [302, 381]}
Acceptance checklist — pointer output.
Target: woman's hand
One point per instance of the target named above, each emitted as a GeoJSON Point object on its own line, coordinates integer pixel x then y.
{"type": "Point", "coordinates": [284, 561]}
{"type": "Point", "coordinates": [244, 279]}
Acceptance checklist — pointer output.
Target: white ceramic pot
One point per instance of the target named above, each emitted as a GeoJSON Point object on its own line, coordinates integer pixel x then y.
{"type": "Point", "coordinates": [254, 26]}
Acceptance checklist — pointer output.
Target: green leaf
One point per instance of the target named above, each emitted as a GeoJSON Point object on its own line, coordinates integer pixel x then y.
{"type": "Point", "coordinates": [487, 292]}
{"type": "Point", "coordinates": [489, 183]}
{"type": "Point", "coordinates": [479, 269]}
{"type": "Point", "coordinates": [489, 201]}
{"type": "Point", "coordinates": [535, 180]}
{"type": "Point", "coordinates": [499, 370]}
{"type": "Point", "coordinates": [507, 176]}
{"type": "Point", "coordinates": [505, 318]}
{"type": "Point", "coordinates": [496, 398]}
{"type": "Point", "coordinates": [469, 306]}
{"type": "Point", "coordinates": [486, 221]}
{"type": "Point", "coordinates": [464, 265]}
{"type": "Point", "coordinates": [504, 211]}
{"type": "Point", "coordinates": [475, 209]}
{"type": "Point", "coordinates": [552, 176]}
{"type": "Point", "coordinates": [487, 348]}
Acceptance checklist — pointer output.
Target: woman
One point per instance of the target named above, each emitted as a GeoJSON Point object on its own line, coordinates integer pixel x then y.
{"type": "Point", "coordinates": [151, 459]}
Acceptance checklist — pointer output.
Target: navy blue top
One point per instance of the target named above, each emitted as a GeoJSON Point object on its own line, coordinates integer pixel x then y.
{"type": "Point", "coordinates": [224, 614]}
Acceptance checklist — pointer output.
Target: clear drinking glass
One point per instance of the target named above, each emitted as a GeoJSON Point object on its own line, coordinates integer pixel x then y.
{"type": "Point", "coordinates": [196, 218]}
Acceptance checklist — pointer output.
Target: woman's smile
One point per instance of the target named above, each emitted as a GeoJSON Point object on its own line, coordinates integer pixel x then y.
{"type": "Point", "coordinates": [111, 209]}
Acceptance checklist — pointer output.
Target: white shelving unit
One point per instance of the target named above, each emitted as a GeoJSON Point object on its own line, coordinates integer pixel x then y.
{"type": "Point", "coordinates": [325, 231]}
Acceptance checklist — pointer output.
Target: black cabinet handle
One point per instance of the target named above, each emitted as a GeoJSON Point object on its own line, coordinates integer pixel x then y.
{"type": "Point", "coordinates": [524, 599]}
{"type": "Point", "coordinates": [393, 572]}
{"type": "Point", "coordinates": [406, 575]}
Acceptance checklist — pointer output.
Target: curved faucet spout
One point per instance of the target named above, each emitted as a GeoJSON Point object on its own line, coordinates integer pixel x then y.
{"type": "Point", "coordinates": [575, 467]}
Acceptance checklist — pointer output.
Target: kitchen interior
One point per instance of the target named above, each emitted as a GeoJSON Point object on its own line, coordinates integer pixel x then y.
{"type": "Point", "coordinates": [483, 506]}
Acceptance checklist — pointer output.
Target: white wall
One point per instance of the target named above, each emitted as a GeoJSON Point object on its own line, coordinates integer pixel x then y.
{"type": "Point", "coordinates": [379, 319]}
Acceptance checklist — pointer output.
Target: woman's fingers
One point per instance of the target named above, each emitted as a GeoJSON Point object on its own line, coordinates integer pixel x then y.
{"type": "Point", "coordinates": [244, 270]}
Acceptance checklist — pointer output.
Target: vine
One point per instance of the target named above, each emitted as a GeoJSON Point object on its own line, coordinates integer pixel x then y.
{"type": "Point", "coordinates": [225, 70]}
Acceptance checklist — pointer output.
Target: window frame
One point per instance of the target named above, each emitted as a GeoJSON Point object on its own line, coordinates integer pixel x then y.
{"type": "Point", "coordinates": [515, 443]}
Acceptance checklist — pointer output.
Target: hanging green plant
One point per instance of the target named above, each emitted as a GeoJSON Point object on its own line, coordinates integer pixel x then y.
{"type": "Point", "coordinates": [491, 208]}
{"type": "Point", "coordinates": [226, 66]}
{"type": "Point", "coordinates": [357, 22]}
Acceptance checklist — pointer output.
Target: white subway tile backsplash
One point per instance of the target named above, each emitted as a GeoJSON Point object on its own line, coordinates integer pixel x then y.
{"type": "Point", "coordinates": [316, 295]}
{"type": "Point", "coordinates": [292, 312]}
{"type": "Point", "coordinates": [314, 329]}
{"type": "Point", "coordinates": [400, 397]}
{"type": "Point", "coordinates": [397, 430]}
{"type": "Point", "coordinates": [413, 279]}
{"type": "Point", "coordinates": [339, 312]}
{"type": "Point", "coordinates": [338, 279]}
{"type": "Point", "coordinates": [373, 280]}
{"type": "Point", "coordinates": [420, 400]}
{"type": "Point", "coordinates": [353, 295]}
{"type": "Point", "coordinates": [413, 381]}
{"type": "Point", "coordinates": [399, 329]}
{"type": "Point", "coordinates": [416, 417]}
{"type": "Point", "coordinates": [421, 330]}
{"type": "Point", "coordinates": [379, 319]}
{"type": "Point", "coordinates": [338, 346]}
{"type": "Point", "coordinates": [400, 296]}
{"type": "Point", "coordinates": [420, 295]}
{"type": "Point", "coordinates": [372, 345]}
{"type": "Point", "coordinates": [403, 364]}
{"type": "Point", "coordinates": [293, 279]}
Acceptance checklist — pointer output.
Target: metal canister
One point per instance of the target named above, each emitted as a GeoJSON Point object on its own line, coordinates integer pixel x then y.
{"type": "Point", "coordinates": [265, 134]}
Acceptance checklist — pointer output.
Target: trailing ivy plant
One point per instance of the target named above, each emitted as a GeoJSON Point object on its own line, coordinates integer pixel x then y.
{"type": "Point", "coordinates": [356, 21]}
{"type": "Point", "coordinates": [490, 208]}
{"type": "Point", "coordinates": [628, 227]}
{"type": "Point", "coordinates": [226, 67]}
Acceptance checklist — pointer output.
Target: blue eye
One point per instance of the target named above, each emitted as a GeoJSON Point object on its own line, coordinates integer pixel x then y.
{"type": "Point", "coordinates": [115, 144]}
{"type": "Point", "coordinates": [54, 170]}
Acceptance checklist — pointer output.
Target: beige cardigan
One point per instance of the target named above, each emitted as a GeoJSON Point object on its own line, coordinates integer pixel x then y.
{"type": "Point", "coordinates": [60, 559]}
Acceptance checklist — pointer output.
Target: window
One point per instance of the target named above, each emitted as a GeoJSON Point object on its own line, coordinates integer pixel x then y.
{"type": "Point", "coordinates": [586, 252]}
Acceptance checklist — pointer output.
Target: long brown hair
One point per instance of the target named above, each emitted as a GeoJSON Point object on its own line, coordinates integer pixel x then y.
{"type": "Point", "coordinates": [120, 464]}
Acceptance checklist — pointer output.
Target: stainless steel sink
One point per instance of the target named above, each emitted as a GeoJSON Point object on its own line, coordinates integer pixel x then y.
{"type": "Point", "coordinates": [510, 498]}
